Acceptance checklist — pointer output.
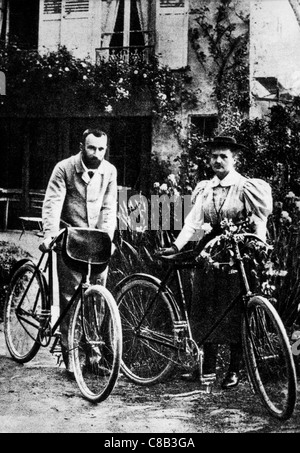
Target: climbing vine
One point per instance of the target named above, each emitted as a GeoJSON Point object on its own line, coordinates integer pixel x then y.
{"type": "Point", "coordinates": [221, 42]}
{"type": "Point", "coordinates": [220, 39]}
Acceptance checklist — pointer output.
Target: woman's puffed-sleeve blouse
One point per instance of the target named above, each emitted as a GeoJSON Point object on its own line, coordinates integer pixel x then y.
{"type": "Point", "coordinates": [237, 196]}
{"type": "Point", "coordinates": [258, 200]}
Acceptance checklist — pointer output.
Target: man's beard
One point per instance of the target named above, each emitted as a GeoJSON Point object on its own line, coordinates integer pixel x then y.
{"type": "Point", "coordinates": [92, 162]}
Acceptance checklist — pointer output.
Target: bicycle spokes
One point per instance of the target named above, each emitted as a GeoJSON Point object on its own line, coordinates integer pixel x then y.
{"type": "Point", "coordinates": [268, 357]}
{"type": "Point", "coordinates": [23, 313]}
{"type": "Point", "coordinates": [96, 341]}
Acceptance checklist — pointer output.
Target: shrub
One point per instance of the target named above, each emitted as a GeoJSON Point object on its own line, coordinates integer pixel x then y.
{"type": "Point", "coordinates": [60, 81]}
{"type": "Point", "coordinates": [285, 260]}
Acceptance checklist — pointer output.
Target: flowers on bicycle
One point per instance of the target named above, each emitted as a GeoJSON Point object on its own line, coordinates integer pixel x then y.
{"type": "Point", "coordinates": [207, 228]}
{"type": "Point", "coordinates": [228, 226]}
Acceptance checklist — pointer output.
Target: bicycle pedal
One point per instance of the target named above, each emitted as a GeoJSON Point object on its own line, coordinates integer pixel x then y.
{"type": "Point", "coordinates": [208, 378]}
{"type": "Point", "coordinates": [206, 388]}
{"type": "Point", "coordinates": [56, 346]}
{"type": "Point", "coordinates": [207, 381]}
{"type": "Point", "coordinates": [56, 350]}
{"type": "Point", "coordinates": [59, 359]}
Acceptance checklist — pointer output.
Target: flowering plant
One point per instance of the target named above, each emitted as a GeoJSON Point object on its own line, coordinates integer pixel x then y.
{"type": "Point", "coordinates": [258, 257]}
{"type": "Point", "coordinates": [57, 79]}
{"type": "Point", "coordinates": [284, 268]}
{"type": "Point", "coordinates": [170, 187]}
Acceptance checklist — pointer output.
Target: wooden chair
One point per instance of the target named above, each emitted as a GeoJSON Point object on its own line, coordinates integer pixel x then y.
{"type": "Point", "coordinates": [7, 196]}
{"type": "Point", "coordinates": [35, 217]}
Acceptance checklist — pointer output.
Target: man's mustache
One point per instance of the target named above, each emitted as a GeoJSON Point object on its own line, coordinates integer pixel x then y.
{"type": "Point", "coordinates": [93, 158]}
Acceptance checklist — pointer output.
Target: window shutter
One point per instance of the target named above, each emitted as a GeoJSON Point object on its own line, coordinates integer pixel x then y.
{"type": "Point", "coordinates": [76, 6]}
{"type": "Point", "coordinates": [70, 6]}
{"type": "Point", "coordinates": [77, 27]}
{"type": "Point", "coordinates": [172, 32]}
{"type": "Point", "coordinates": [70, 23]}
{"type": "Point", "coordinates": [49, 27]}
{"type": "Point", "coordinates": [52, 7]}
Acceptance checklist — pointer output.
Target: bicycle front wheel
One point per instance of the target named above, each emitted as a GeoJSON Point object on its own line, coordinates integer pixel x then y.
{"type": "Point", "coordinates": [147, 318]}
{"type": "Point", "coordinates": [22, 314]}
{"type": "Point", "coordinates": [269, 358]}
{"type": "Point", "coordinates": [96, 343]}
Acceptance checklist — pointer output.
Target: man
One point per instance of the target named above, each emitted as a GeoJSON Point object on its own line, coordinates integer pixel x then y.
{"type": "Point", "coordinates": [82, 192]}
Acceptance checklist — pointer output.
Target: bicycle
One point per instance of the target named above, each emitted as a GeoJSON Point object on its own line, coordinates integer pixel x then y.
{"type": "Point", "coordinates": [157, 334]}
{"type": "Point", "coordinates": [95, 334]}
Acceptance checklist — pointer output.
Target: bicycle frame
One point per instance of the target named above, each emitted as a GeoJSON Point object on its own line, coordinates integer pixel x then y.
{"type": "Point", "coordinates": [173, 272]}
{"type": "Point", "coordinates": [48, 269]}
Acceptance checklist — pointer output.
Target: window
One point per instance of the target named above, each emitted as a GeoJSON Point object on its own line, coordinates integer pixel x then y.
{"type": "Point", "coordinates": [126, 33]}
{"type": "Point", "coordinates": [127, 30]}
{"type": "Point", "coordinates": [204, 125]}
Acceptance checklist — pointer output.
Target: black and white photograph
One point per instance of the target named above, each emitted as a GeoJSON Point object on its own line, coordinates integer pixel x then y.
{"type": "Point", "coordinates": [149, 219]}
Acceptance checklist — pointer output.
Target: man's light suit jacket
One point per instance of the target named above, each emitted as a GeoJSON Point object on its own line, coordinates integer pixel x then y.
{"type": "Point", "coordinates": [74, 199]}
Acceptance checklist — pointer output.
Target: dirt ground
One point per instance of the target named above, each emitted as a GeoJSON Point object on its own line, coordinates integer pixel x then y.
{"type": "Point", "coordinates": [39, 398]}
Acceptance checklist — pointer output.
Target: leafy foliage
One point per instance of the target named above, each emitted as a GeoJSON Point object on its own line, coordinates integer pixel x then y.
{"type": "Point", "coordinates": [221, 42]}
{"type": "Point", "coordinates": [57, 80]}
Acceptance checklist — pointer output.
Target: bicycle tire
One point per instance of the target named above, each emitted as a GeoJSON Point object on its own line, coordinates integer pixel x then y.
{"type": "Point", "coordinates": [95, 339]}
{"type": "Point", "coordinates": [148, 336]}
{"type": "Point", "coordinates": [22, 328]}
{"type": "Point", "coordinates": [268, 358]}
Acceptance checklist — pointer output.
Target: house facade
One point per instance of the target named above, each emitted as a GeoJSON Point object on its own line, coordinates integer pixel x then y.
{"type": "Point", "coordinates": [93, 30]}
{"type": "Point", "coordinates": [102, 29]}
{"type": "Point", "coordinates": [274, 53]}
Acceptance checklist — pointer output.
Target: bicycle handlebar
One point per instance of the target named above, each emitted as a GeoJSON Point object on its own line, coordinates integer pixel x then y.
{"type": "Point", "coordinates": [214, 240]}
{"type": "Point", "coordinates": [191, 255]}
{"type": "Point", "coordinates": [52, 243]}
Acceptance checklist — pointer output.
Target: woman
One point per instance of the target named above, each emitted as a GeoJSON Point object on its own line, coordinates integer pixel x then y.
{"type": "Point", "coordinates": [227, 195]}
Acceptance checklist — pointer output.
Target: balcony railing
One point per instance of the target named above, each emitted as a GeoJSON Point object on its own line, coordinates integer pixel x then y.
{"type": "Point", "coordinates": [142, 49]}
{"type": "Point", "coordinates": [128, 54]}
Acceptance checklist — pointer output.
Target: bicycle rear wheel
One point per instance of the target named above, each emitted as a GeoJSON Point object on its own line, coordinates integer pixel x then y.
{"type": "Point", "coordinates": [96, 343]}
{"type": "Point", "coordinates": [23, 313]}
{"type": "Point", "coordinates": [269, 358]}
{"type": "Point", "coordinates": [147, 318]}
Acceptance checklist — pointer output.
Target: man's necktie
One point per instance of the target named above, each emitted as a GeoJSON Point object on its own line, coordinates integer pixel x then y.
{"type": "Point", "coordinates": [91, 174]}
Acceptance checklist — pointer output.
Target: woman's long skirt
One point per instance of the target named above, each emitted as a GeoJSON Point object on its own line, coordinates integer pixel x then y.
{"type": "Point", "coordinates": [213, 290]}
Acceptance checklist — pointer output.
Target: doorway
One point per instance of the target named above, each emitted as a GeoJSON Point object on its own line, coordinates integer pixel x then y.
{"type": "Point", "coordinates": [129, 146]}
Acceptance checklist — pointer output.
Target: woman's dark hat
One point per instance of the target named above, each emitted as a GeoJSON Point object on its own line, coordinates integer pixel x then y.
{"type": "Point", "coordinates": [228, 142]}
